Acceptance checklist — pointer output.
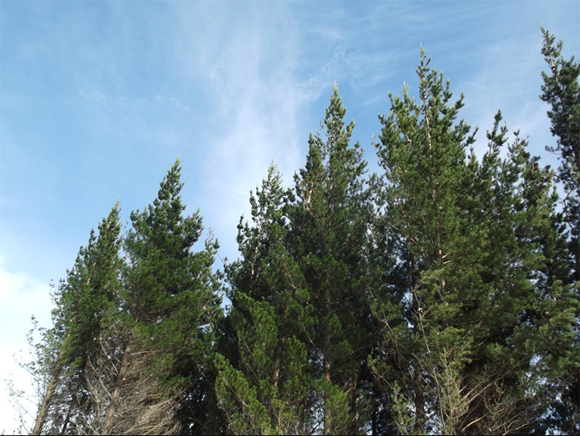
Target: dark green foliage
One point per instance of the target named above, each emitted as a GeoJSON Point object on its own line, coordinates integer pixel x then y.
{"type": "Point", "coordinates": [299, 303]}
{"type": "Point", "coordinates": [172, 295]}
{"type": "Point", "coordinates": [561, 90]}
{"type": "Point", "coordinates": [266, 387]}
{"type": "Point", "coordinates": [329, 222]}
{"type": "Point", "coordinates": [90, 295]}
{"type": "Point", "coordinates": [87, 305]}
{"type": "Point", "coordinates": [438, 296]}
{"type": "Point", "coordinates": [469, 298]}
{"type": "Point", "coordinates": [133, 342]}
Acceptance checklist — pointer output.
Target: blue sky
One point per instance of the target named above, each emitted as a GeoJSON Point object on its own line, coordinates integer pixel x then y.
{"type": "Point", "coordinates": [98, 99]}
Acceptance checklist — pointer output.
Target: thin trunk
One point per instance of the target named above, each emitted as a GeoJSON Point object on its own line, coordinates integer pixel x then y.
{"type": "Point", "coordinates": [114, 399]}
{"type": "Point", "coordinates": [419, 405]}
{"type": "Point", "coordinates": [419, 398]}
{"type": "Point", "coordinates": [575, 242]}
{"type": "Point", "coordinates": [353, 406]}
{"type": "Point", "coordinates": [327, 413]}
{"type": "Point", "coordinates": [43, 411]}
{"type": "Point", "coordinates": [66, 420]}
{"type": "Point", "coordinates": [275, 379]}
{"type": "Point", "coordinates": [328, 424]}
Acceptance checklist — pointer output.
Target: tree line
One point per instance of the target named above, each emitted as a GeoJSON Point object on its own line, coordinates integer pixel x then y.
{"type": "Point", "coordinates": [438, 295]}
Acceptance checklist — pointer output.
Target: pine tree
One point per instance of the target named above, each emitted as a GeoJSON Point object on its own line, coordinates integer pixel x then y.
{"type": "Point", "coordinates": [561, 90]}
{"type": "Point", "coordinates": [329, 222]}
{"type": "Point", "coordinates": [463, 291]}
{"type": "Point", "coordinates": [85, 324]}
{"type": "Point", "coordinates": [172, 307]}
{"type": "Point", "coordinates": [264, 387]}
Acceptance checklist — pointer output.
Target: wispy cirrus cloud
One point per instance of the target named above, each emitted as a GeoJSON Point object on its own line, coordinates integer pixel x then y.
{"type": "Point", "coordinates": [162, 102]}
{"type": "Point", "coordinates": [245, 66]}
{"type": "Point", "coordinates": [502, 81]}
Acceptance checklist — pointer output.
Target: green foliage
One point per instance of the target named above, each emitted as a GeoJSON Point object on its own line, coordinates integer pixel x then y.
{"type": "Point", "coordinates": [329, 221]}
{"type": "Point", "coordinates": [561, 90]}
{"type": "Point", "coordinates": [438, 296]}
{"type": "Point", "coordinates": [271, 382]}
{"type": "Point", "coordinates": [87, 307]}
{"type": "Point", "coordinates": [246, 414]}
{"type": "Point", "coordinates": [468, 276]}
{"type": "Point", "coordinates": [90, 296]}
{"type": "Point", "coordinates": [172, 294]}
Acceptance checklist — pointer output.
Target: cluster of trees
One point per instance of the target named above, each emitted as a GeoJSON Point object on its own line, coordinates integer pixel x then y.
{"type": "Point", "coordinates": [440, 295]}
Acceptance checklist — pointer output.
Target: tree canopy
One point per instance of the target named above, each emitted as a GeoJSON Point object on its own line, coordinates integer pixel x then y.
{"type": "Point", "coordinates": [439, 295]}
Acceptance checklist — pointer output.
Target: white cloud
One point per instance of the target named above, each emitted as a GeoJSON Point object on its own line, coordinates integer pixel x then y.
{"type": "Point", "coordinates": [245, 66]}
{"type": "Point", "coordinates": [328, 32]}
{"type": "Point", "coordinates": [21, 296]}
{"type": "Point", "coordinates": [246, 74]}
{"type": "Point", "coordinates": [101, 100]}
{"type": "Point", "coordinates": [332, 70]}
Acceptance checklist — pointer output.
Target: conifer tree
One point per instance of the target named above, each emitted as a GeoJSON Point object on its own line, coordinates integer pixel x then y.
{"type": "Point", "coordinates": [265, 386]}
{"type": "Point", "coordinates": [85, 320]}
{"type": "Point", "coordinates": [444, 298]}
{"type": "Point", "coordinates": [466, 292]}
{"type": "Point", "coordinates": [329, 221]}
{"type": "Point", "coordinates": [561, 90]}
{"type": "Point", "coordinates": [172, 307]}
